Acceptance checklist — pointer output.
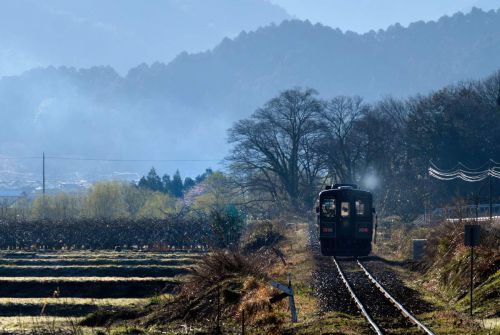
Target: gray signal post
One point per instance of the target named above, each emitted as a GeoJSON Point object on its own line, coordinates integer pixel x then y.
{"type": "Point", "coordinates": [287, 292]}
{"type": "Point", "coordinates": [472, 239]}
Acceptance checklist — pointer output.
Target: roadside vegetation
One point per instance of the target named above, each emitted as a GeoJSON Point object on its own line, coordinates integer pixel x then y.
{"type": "Point", "coordinates": [442, 276]}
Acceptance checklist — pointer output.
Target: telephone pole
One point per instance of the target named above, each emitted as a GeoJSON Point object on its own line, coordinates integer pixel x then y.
{"type": "Point", "coordinates": [43, 185]}
{"type": "Point", "coordinates": [43, 173]}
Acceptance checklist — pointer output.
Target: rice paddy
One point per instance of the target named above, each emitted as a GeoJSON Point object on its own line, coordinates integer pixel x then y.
{"type": "Point", "coordinates": [59, 287]}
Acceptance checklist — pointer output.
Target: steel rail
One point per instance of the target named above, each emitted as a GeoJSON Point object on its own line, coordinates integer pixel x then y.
{"type": "Point", "coordinates": [358, 302]}
{"type": "Point", "coordinates": [394, 301]}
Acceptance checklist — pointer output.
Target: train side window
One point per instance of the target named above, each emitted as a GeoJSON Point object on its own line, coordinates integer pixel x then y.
{"type": "Point", "coordinates": [360, 208]}
{"type": "Point", "coordinates": [328, 208]}
{"type": "Point", "coordinates": [344, 209]}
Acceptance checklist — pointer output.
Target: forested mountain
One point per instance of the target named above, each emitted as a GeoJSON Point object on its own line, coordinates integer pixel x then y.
{"type": "Point", "coordinates": [182, 109]}
{"type": "Point", "coordinates": [86, 33]}
{"type": "Point", "coordinates": [398, 61]}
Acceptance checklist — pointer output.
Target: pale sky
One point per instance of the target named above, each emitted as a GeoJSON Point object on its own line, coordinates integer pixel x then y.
{"type": "Point", "coordinates": [364, 15]}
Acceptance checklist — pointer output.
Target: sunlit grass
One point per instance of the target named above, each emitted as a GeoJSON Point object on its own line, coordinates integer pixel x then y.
{"type": "Point", "coordinates": [89, 279]}
{"type": "Point", "coordinates": [78, 301]}
{"type": "Point", "coordinates": [63, 254]}
{"type": "Point", "coordinates": [90, 267]}
{"type": "Point", "coordinates": [29, 324]}
{"type": "Point", "coordinates": [96, 261]}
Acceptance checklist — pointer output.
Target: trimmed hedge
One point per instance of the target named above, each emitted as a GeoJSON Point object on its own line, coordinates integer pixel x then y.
{"type": "Point", "coordinates": [104, 233]}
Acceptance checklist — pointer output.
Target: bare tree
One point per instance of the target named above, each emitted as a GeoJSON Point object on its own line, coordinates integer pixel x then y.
{"type": "Point", "coordinates": [272, 147]}
{"type": "Point", "coordinates": [342, 145]}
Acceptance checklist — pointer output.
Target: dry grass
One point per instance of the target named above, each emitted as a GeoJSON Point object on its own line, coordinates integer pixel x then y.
{"type": "Point", "coordinates": [96, 261]}
{"type": "Point", "coordinates": [78, 301]}
{"type": "Point", "coordinates": [177, 279]}
{"type": "Point", "coordinates": [30, 324]}
{"type": "Point", "coordinates": [100, 254]}
{"type": "Point", "coordinates": [88, 267]}
{"type": "Point", "coordinates": [218, 273]}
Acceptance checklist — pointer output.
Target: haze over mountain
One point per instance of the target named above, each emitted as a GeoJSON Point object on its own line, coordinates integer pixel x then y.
{"type": "Point", "coordinates": [181, 110]}
{"type": "Point", "coordinates": [364, 15]}
{"type": "Point", "coordinates": [120, 33]}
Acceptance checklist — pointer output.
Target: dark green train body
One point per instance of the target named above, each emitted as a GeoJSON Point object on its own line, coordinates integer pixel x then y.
{"type": "Point", "coordinates": [345, 220]}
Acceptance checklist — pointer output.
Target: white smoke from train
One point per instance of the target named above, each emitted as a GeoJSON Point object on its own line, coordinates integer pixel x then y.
{"type": "Point", "coordinates": [370, 181]}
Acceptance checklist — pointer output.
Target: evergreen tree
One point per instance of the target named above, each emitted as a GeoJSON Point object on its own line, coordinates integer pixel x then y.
{"type": "Point", "coordinates": [151, 181]}
{"type": "Point", "coordinates": [203, 176]}
{"type": "Point", "coordinates": [143, 183]}
{"type": "Point", "coordinates": [176, 185]}
{"type": "Point", "coordinates": [167, 184]}
{"type": "Point", "coordinates": [188, 183]}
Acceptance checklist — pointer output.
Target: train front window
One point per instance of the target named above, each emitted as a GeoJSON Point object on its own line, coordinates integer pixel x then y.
{"type": "Point", "coordinates": [344, 209]}
{"type": "Point", "coordinates": [360, 208]}
{"type": "Point", "coordinates": [328, 208]}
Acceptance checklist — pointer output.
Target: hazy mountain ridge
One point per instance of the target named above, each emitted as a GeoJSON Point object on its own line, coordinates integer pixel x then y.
{"type": "Point", "coordinates": [405, 60]}
{"type": "Point", "coordinates": [182, 109]}
{"type": "Point", "coordinates": [95, 32]}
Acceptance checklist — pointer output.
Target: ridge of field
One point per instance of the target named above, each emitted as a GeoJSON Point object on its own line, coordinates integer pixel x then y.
{"type": "Point", "coordinates": [92, 271]}
{"type": "Point", "coordinates": [87, 288]}
{"type": "Point", "coordinates": [95, 254]}
{"type": "Point", "coordinates": [22, 324]}
{"type": "Point", "coordinates": [89, 279]}
{"type": "Point", "coordinates": [66, 306]}
{"type": "Point", "coordinates": [96, 261]}
{"type": "Point", "coordinates": [76, 301]}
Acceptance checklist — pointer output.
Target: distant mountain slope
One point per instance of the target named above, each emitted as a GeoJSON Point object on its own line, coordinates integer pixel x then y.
{"type": "Point", "coordinates": [182, 109]}
{"type": "Point", "coordinates": [120, 33]}
{"type": "Point", "coordinates": [399, 61]}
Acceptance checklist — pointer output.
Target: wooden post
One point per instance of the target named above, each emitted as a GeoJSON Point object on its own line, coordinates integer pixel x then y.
{"type": "Point", "coordinates": [218, 329]}
{"type": "Point", "coordinates": [472, 239]}
{"type": "Point", "coordinates": [243, 322]}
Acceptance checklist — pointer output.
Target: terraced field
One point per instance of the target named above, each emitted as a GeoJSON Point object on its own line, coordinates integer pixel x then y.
{"type": "Point", "coordinates": [47, 288]}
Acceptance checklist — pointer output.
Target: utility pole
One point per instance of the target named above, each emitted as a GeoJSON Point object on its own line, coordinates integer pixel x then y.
{"type": "Point", "coordinates": [43, 174]}
{"type": "Point", "coordinates": [43, 185]}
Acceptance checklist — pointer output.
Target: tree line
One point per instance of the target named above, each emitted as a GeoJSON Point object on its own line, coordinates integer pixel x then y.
{"type": "Point", "coordinates": [297, 143]}
{"type": "Point", "coordinates": [173, 186]}
{"type": "Point", "coordinates": [152, 197]}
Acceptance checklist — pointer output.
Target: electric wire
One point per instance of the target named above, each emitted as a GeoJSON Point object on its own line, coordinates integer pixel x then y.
{"type": "Point", "coordinates": [465, 173]}
{"type": "Point", "coordinates": [68, 158]}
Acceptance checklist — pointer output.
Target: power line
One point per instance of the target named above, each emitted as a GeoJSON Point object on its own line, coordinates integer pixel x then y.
{"type": "Point", "coordinates": [461, 171]}
{"type": "Point", "coordinates": [96, 159]}
{"type": "Point", "coordinates": [129, 160]}
{"type": "Point", "coordinates": [19, 158]}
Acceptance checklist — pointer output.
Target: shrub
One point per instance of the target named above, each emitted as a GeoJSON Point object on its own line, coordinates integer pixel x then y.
{"type": "Point", "coordinates": [262, 234]}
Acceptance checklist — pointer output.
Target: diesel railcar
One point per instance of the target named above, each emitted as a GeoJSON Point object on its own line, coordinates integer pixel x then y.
{"type": "Point", "coordinates": [345, 220]}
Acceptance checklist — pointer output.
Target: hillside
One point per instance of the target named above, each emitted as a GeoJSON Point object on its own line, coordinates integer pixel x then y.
{"type": "Point", "coordinates": [397, 61]}
{"type": "Point", "coordinates": [59, 32]}
{"type": "Point", "coordinates": [181, 110]}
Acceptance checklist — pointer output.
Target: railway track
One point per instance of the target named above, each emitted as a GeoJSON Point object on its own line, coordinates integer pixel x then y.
{"type": "Point", "coordinates": [382, 311]}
